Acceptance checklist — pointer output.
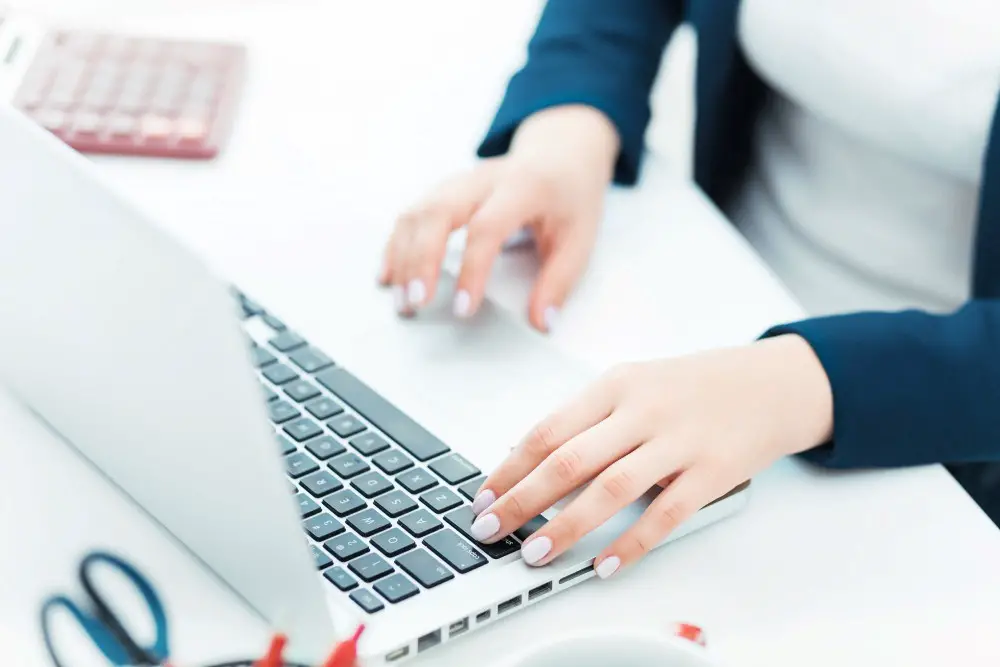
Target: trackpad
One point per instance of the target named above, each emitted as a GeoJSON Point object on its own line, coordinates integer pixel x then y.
{"type": "Point", "coordinates": [477, 384]}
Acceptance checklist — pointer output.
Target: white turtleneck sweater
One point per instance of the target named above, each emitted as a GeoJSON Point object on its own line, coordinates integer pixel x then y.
{"type": "Point", "coordinates": [869, 157]}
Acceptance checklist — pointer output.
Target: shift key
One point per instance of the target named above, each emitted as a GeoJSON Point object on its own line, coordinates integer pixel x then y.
{"type": "Point", "coordinates": [455, 551]}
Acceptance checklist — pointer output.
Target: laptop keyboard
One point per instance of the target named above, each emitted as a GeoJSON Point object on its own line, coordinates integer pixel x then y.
{"type": "Point", "coordinates": [384, 503]}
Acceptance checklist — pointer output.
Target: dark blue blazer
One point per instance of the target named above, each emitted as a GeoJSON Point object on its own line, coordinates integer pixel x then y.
{"type": "Point", "coordinates": [909, 387]}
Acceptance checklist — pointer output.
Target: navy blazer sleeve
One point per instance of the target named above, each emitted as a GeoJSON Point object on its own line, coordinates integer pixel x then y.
{"type": "Point", "coordinates": [602, 53]}
{"type": "Point", "coordinates": [909, 388]}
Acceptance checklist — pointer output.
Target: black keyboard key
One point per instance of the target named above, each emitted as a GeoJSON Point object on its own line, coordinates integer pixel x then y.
{"type": "Point", "coordinates": [345, 425]}
{"type": "Point", "coordinates": [346, 546]}
{"type": "Point", "coordinates": [386, 417]}
{"type": "Point", "coordinates": [344, 503]}
{"type": "Point", "coordinates": [371, 484]}
{"type": "Point", "coordinates": [530, 528]}
{"type": "Point", "coordinates": [279, 373]}
{"type": "Point", "coordinates": [349, 465]}
{"type": "Point", "coordinates": [324, 408]}
{"type": "Point", "coordinates": [392, 461]}
{"type": "Point", "coordinates": [420, 523]}
{"type": "Point", "coordinates": [269, 394]}
{"type": "Point", "coordinates": [367, 600]}
{"type": "Point", "coordinates": [319, 558]}
{"type": "Point", "coordinates": [455, 551]}
{"type": "Point", "coordinates": [310, 359]}
{"type": "Point", "coordinates": [370, 567]}
{"type": "Point", "coordinates": [369, 443]}
{"type": "Point", "coordinates": [441, 499]}
{"type": "Point", "coordinates": [461, 520]}
{"type": "Point", "coordinates": [300, 464]}
{"type": "Point", "coordinates": [417, 480]}
{"type": "Point", "coordinates": [322, 527]}
{"type": "Point", "coordinates": [302, 429]}
{"type": "Point", "coordinates": [284, 444]}
{"type": "Point", "coordinates": [250, 308]}
{"type": "Point", "coordinates": [396, 504]}
{"type": "Point", "coordinates": [261, 357]}
{"type": "Point", "coordinates": [454, 469]}
{"type": "Point", "coordinates": [286, 341]}
{"type": "Point", "coordinates": [396, 588]}
{"type": "Point", "coordinates": [339, 577]}
{"type": "Point", "coordinates": [393, 542]}
{"type": "Point", "coordinates": [368, 522]}
{"type": "Point", "coordinates": [424, 568]}
{"type": "Point", "coordinates": [300, 391]}
{"type": "Point", "coordinates": [307, 506]}
{"type": "Point", "coordinates": [274, 322]}
{"type": "Point", "coordinates": [321, 483]}
{"type": "Point", "coordinates": [325, 447]}
{"type": "Point", "coordinates": [471, 488]}
{"type": "Point", "coordinates": [281, 411]}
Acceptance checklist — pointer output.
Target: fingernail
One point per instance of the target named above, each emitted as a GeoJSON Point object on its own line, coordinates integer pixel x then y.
{"type": "Point", "coordinates": [399, 297]}
{"type": "Point", "coordinates": [535, 550]}
{"type": "Point", "coordinates": [608, 566]}
{"type": "Point", "coordinates": [485, 527]}
{"type": "Point", "coordinates": [462, 304]}
{"type": "Point", "coordinates": [551, 318]}
{"type": "Point", "coordinates": [484, 499]}
{"type": "Point", "coordinates": [416, 292]}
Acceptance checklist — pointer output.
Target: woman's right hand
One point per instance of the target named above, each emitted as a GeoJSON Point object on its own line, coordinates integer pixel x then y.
{"type": "Point", "coordinates": [552, 182]}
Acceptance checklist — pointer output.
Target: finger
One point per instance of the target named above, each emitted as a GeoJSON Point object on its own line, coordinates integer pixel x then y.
{"type": "Point", "coordinates": [413, 248]}
{"type": "Point", "coordinates": [388, 268]}
{"type": "Point", "coordinates": [566, 469]}
{"type": "Point", "coordinates": [396, 252]}
{"type": "Point", "coordinates": [590, 407]}
{"type": "Point", "coordinates": [676, 504]}
{"type": "Point", "coordinates": [424, 255]}
{"type": "Point", "coordinates": [562, 267]}
{"type": "Point", "coordinates": [505, 210]}
{"type": "Point", "coordinates": [615, 488]}
{"type": "Point", "coordinates": [385, 270]}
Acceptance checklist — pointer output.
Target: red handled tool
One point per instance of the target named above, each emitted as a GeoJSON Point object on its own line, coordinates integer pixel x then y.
{"type": "Point", "coordinates": [345, 654]}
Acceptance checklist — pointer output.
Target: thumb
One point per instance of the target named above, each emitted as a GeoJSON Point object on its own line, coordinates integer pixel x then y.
{"type": "Point", "coordinates": [563, 263]}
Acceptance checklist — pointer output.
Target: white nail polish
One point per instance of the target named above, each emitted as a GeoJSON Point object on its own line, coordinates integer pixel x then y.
{"type": "Point", "coordinates": [551, 318]}
{"type": "Point", "coordinates": [608, 566]}
{"type": "Point", "coordinates": [399, 297]}
{"type": "Point", "coordinates": [536, 550]}
{"type": "Point", "coordinates": [484, 499]}
{"type": "Point", "coordinates": [462, 304]}
{"type": "Point", "coordinates": [416, 292]}
{"type": "Point", "coordinates": [485, 527]}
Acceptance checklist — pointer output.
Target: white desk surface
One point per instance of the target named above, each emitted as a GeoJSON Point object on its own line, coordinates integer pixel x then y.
{"type": "Point", "coordinates": [350, 114]}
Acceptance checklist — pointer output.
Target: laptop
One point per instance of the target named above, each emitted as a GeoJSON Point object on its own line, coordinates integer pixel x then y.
{"type": "Point", "coordinates": [327, 486]}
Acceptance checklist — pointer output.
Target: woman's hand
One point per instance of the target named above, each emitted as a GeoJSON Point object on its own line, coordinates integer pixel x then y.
{"type": "Point", "coordinates": [698, 426]}
{"type": "Point", "coordinates": [552, 181]}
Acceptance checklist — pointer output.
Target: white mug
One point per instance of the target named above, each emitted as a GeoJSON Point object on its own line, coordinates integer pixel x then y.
{"type": "Point", "coordinates": [684, 646]}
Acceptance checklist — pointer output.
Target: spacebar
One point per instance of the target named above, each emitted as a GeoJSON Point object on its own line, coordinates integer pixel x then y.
{"type": "Point", "coordinates": [410, 435]}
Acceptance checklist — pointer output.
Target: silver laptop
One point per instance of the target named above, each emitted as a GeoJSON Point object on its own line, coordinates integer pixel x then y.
{"type": "Point", "coordinates": [327, 487]}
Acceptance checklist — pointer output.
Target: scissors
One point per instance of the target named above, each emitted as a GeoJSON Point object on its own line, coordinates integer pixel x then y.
{"type": "Point", "coordinates": [97, 619]}
{"type": "Point", "coordinates": [109, 635]}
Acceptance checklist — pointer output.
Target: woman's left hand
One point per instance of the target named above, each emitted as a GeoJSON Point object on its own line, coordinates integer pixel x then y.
{"type": "Point", "coordinates": [698, 426]}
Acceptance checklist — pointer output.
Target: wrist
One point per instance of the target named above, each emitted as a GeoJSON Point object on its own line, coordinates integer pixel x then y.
{"type": "Point", "coordinates": [805, 394]}
{"type": "Point", "coordinates": [578, 134]}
